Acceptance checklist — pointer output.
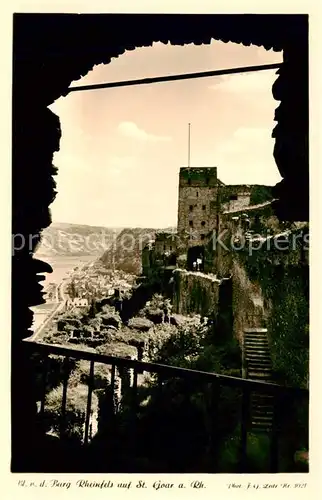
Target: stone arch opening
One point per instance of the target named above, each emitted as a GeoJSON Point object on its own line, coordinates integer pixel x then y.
{"type": "Point", "coordinates": [195, 258]}
{"type": "Point", "coordinates": [45, 62]}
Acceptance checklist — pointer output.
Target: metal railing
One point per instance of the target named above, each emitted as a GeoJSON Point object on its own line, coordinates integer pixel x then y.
{"type": "Point", "coordinates": [215, 381]}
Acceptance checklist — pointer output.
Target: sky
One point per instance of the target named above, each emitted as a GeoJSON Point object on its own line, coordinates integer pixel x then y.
{"type": "Point", "coordinates": [122, 148]}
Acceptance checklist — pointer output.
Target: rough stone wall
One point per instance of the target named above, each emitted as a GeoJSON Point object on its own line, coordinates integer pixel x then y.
{"type": "Point", "coordinates": [248, 306]}
{"type": "Point", "coordinates": [242, 201]}
{"type": "Point", "coordinates": [283, 275]}
{"type": "Point", "coordinates": [165, 242]}
{"type": "Point", "coordinates": [218, 255]}
{"type": "Point", "coordinates": [276, 297]}
{"type": "Point", "coordinates": [36, 137]}
{"type": "Point", "coordinates": [246, 194]}
{"type": "Point", "coordinates": [229, 192]}
{"type": "Point", "coordinates": [195, 293]}
{"type": "Point", "coordinates": [279, 243]}
{"type": "Point", "coordinates": [197, 204]}
{"type": "Point", "coordinates": [270, 289]}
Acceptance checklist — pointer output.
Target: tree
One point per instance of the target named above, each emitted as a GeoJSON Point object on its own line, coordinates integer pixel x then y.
{"type": "Point", "coordinates": [93, 309]}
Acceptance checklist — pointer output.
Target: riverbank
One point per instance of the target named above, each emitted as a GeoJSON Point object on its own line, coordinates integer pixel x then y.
{"type": "Point", "coordinates": [62, 269]}
{"type": "Point", "coordinates": [63, 265]}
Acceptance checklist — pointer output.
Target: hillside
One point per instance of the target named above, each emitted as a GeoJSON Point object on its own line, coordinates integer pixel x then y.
{"type": "Point", "coordinates": [125, 254]}
{"type": "Point", "coordinates": [64, 239]}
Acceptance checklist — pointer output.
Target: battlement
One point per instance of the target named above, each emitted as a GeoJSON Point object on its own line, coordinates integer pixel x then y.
{"type": "Point", "coordinates": [198, 176]}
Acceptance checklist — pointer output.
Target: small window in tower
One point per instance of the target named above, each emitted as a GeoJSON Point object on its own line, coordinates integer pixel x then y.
{"type": "Point", "coordinates": [233, 197]}
{"type": "Point", "coordinates": [203, 223]}
{"type": "Point", "coordinates": [203, 207]}
{"type": "Point", "coordinates": [190, 208]}
{"type": "Point", "coordinates": [202, 236]}
{"type": "Point", "coordinates": [197, 194]}
{"type": "Point", "coordinates": [190, 223]}
{"type": "Point", "coordinates": [170, 248]}
{"type": "Point", "coordinates": [189, 182]}
{"type": "Point", "coordinates": [164, 247]}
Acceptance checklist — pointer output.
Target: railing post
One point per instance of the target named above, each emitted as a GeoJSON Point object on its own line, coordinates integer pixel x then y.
{"type": "Point", "coordinates": [160, 379]}
{"type": "Point", "coordinates": [135, 390]}
{"type": "Point", "coordinates": [244, 361]}
{"type": "Point", "coordinates": [134, 411]}
{"type": "Point", "coordinates": [89, 401]}
{"type": "Point", "coordinates": [44, 387]}
{"type": "Point", "coordinates": [64, 398]}
{"type": "Point", "coordinates": [113, 389]}
{"type": "Point", "coordinates": [275, 434]}
{"type": "Point", "coordinates": [214, 422]}
{"type": "Point", "coordinates": [244, 427]}
{"type": "Point", "coordinates": [160, 392]}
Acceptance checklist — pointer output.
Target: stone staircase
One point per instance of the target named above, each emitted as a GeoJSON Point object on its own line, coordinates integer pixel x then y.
{"type": "Point", "coordinates": [259, 367]}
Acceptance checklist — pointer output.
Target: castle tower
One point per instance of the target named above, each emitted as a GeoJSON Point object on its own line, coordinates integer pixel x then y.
{"type": "Point", "coordinates": [198, 204]}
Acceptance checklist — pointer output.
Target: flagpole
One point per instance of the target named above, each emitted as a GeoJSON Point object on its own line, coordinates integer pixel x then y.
{"type": "Point", "coordinates": [189, 126]}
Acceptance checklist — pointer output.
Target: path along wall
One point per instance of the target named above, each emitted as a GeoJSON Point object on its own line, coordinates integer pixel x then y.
{"type": "Point", "coordinates": [270, 289]}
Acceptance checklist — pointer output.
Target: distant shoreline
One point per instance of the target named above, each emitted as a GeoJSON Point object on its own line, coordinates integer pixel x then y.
{"type": "Point", "coordinates": [60, 272]}
{"type": "Point", "coordinates": [63, 264]}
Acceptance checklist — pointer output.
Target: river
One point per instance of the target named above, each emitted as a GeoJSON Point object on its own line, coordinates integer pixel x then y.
{"type": "Point", "coordinates": [62, 266]}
